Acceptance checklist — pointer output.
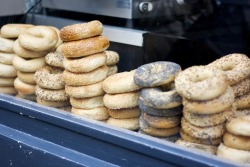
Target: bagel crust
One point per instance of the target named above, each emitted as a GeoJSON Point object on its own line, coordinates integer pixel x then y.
{"type": "Point", "coordinates": [125, 113]}
{"type": "Point", "coordinates": [7, 81]}
{"type": "Point", "coordinates": [112, 57]}
{"type": "Point", "coordinates": [99, 113]}
{"type": "Point", "coordinates": [81, 31]}
{"type": "Point", "coordinates": [242, 87]}
{"type": "Point", "coordinates": [236, 141]}
{"type": "Point", "coordinates": [10, 90]}
{"type": "Point", "coordinates": [130, 123]}
{"type": "Point", "coordinates": [7, 71]}
{"type": "Point", "coordinates": [85, 47]}
{"type": "Point", "coordinates": [243, 102]}
{"type": "Point", "coordinates": [87, 103]}
{"type": "Point", "coordinates": [24, 88]}
{"type": "Point", "coordinates": [239, 126]}
{"type": "Point", "coordinates": [6, 45]}
{"type": "Point", "coordinates": [201, 83]}
{"type": "Point", "coordinates": [56, 104]}
{"type": "Point", "coordinates": [26, 77]}
{"type": "Point", "coordinates": [6, 58]}
{"type": "Point", "coordinates": [54, 59]}
{"type": "Point", "coordinates": [156, 73]}
{"type": "Point", "coordinates": [53, 95]}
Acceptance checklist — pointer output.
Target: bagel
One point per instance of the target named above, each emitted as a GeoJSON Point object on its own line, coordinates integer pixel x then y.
{"type": "Point", "coordinates": [243, 102]}
{"type": "Point", "coordinates": [120, 83]}
{"type": "Point", "coordinates": [99, 113]}
{"type": "Point", "coordinates": [10, 90]}
{"type": "Point", "coordinates": [7, 71]}
{"type": "Point", "coordinates": [125, 113]}
{"type": "Point", "coordinates": [239, 126]}
{"type": "Point", "coordinates": [209, 141]}
{"type": "Point", "coordinates": [85, 91]}
{"type": "Point", "coordinates": [195, 146]}
{"type": "Point", "coordinates": [156, 73]}
{"type": "Point", "coordinates": [66, 108]}
{"type": "Point", "coordinates": [242, 87]}
{"type": "Point", "coordinates": [54, 59]}
{"type": "Point", "coordinates": [28, 65]}
{"type": "Point", "coordinates": [158, 132]}
{"type": "Point", "coordinates": [121, 100]}
{"type": "Point", "coordinates": [87, 103]}
{"type": "Point", "coordinates": [6, 45]}
{"type": "Point", "coordinates": [56, 104]}
{"type": "Point", "coordinates": [172, 138]}
{"type": "Point", "coordinates": [6, 58]}
{"type": "Point", "coordinates": [38, 38]}
{"type": "Point", "coordinates": [81, 30]}
{"type": "Point", "coordinates": [201, 83]}
{"type": "Point", "coordinates": [209, 132]}
{"type": "Point", "coordinates": [26, 77]}
{"type": "Point", "coordinates": [130, 123]}
{"type": "Point", "coordinates": [85, 47]}
{"type": "Point", "coordinates": [236, 67]}
{"type": "Point", "coordinates": [213, 106]}
{"type": "Point", "coordinates": [156, 98]}
{"type": "Point", "coordinates": [159, 112]}
{"type": "Point", "coordinates": [90, 62]}
{"type": "Point", "coordinates": [236, 141]}
{"type": "Point", "coordinates": [14, 30]}
{"type": "Point", "coordinates": [204, 120]}
{"type": "Point", "coordinates": [236, 155]}
{"type": "Point", "coordinates": [240, 112]}
{"type": "Point", "coordinates": [161, 122]}
{"type": "Point", "coordinates": [49, 77]}
{"type": "Point", "coordinates": [59, 41]}
{"type": "Point", "coordinates": [31, 97]}
{"type": "Point", "coordinates": [112, 70]}
{"type": "Point", "coordinates": [83, 79]}
{"type": "Point", "coordinates": [112, 57]}
{"type": "Point", "coordinates": [7, 81]}
{"type": "Point", "coordinates": [25, 53]}
{"type": "Point", "coordinates": [53, 95]}
{"type": "Point", "coordinates": [24, 88]}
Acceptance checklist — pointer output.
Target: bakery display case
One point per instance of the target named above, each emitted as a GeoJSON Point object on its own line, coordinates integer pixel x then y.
{"type": "Point", "coordinates": [188, 32]}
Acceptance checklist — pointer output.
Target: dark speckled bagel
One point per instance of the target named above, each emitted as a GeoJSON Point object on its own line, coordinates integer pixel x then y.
{"type": "Point", "coordinates": [159, 112]}
{"type": "Point", "coordinates": [156, 98]}
{"type": "Point", "coordinates": [156, 73]}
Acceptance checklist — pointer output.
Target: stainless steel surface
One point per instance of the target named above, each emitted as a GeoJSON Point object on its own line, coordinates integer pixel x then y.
{"type": "Point", "coordinates": [115, 34]}
{"type": "Point", "coordinates": [12, 7]}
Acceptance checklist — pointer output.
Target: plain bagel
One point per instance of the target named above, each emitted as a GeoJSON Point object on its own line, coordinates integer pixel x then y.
{"type": "Point", "coordinates": [125, 113]}
{"type": "Point", "coordinates": [14, 30]}
{"type": "Point", "coordinates": [87, 103]}
{"type": "Point", "coordinates": [10, 90]}
{"type": "Point", "coordinates": [26, 77]}
{"type": "Point", "coordinates": [129, 123]}
{"type": "Point", "coordinates": [6, 45]}
{"type": "Point", "coordinates": [7, 70]}
{"type": "Point", "coordinates": [239, 126]}
{"type": "Point", "coordinates": [6, 58]}
{"type": "Point", "coordinates": [24, 88]}
{"type": "Point", "coordinates": [99, 113]}
{"type": "Point", "coordinates": [7, 81]}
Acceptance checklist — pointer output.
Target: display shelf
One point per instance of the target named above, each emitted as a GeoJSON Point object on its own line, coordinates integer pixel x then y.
{"type": "Point", "coordinates": [34, 135]}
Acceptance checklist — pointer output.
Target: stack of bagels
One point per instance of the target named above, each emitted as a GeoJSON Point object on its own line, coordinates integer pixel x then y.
{"type": "Point", "coordinates": [159, 102]}
{"type": "Point", "coordinates": [237, 69]}
{"type": "Point", "coordinates": [85, 68]}
{"type": "Point", "coordinates": [8, 72]}
{"type": "Point", "coordinates": [236, 140]}
{"type": "Point", "coordinates": [121, 100]}
{"type": "Point", "coordinates": [30, 48]}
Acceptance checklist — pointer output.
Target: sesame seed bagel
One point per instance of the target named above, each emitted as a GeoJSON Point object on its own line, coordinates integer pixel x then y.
{"type": "Point", "coordinates": [10, 90]}
{"type": "Point", "coordinates": [24, 88]}
{"type": "Point", "coordinates": [50, 103]}
{"type": "Point", "coordinates": [120, 83]}
{"type": "Point", "coordinates": [26, 77]}
{"type": "Point", "coordinates": [241, 112]}
{"type": "Point", "coordinates": [81, 30]}
{"type": "Point", "coordinates": [209, 141]}
{"type": "Point", "coordinates": [121, 100]}
{"type": "Point", "coordinates": [85, 47]}
{"type": "Point", "coordinates": [7, 81]}
{"type": "Point", "coordinates": [50, 77]}
{"type": "Point", "coordinates": [237, 141]}
{"type": "Point", "coordinates": [85, 91]}
{"type": "Point", "coordinates": [236, 155]}
{"type": "Point", "coordinates": [243, 102]}
{"type": "Point", "coordinates": [204, 120]}
{"type": "Point", "coordinates": [236, 67]}
{"type": "Point", "coordinates": [156, 98]}
{"type": "Point", "coordinates": [7, 71]}
{"type": "Point", "coordinates": [242, 87]}
{"type": "Point", "coordinates": [90, 62]}
{"type": "Point", "coordinates": [161, 122]}
{"type": "Point", "coordinates": [6, 58]}
{"type": "Point", "coordinates": [55, 59]}
{"type": "Point", "coordinates": [99, 113]}
{"type": "Point", "coordinates": [87, 103]}
{"type": "Point", "coordinates": [28, 65]}
{"type": "Point", "coordinates": [6, 45]}
{"type": "Point", "coordinates": [130, 123]}
{"type": "Point", "coordinates": [195, 146]}
{"type": "Point", "coordinates": [201, 83]}
{"type": "Point", "coordinates": [14, 30]}
{"type": "Point", "coordinates": [38, 38]}
{"type": "Point", "coordinates": [159, 132]}
{"type": "Point", "coordinates": [209, 132]}
{"type": "Point", "coordinates": [112, 57]}
{"type": "Point", "coordinates": [239, 126]}
{"type": "Point", "coordinates": [156, 73]}
{"type": "Point", "coordinates": [159, 112]}
{"type": "Point", "coordinates": [212, 106]}
{"type": "Point", "coordinates": [53, 95]}
{"type": "Point", "coordinates": [79, 79]}
{"type": "Point", "coordinates": [125, 113]}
